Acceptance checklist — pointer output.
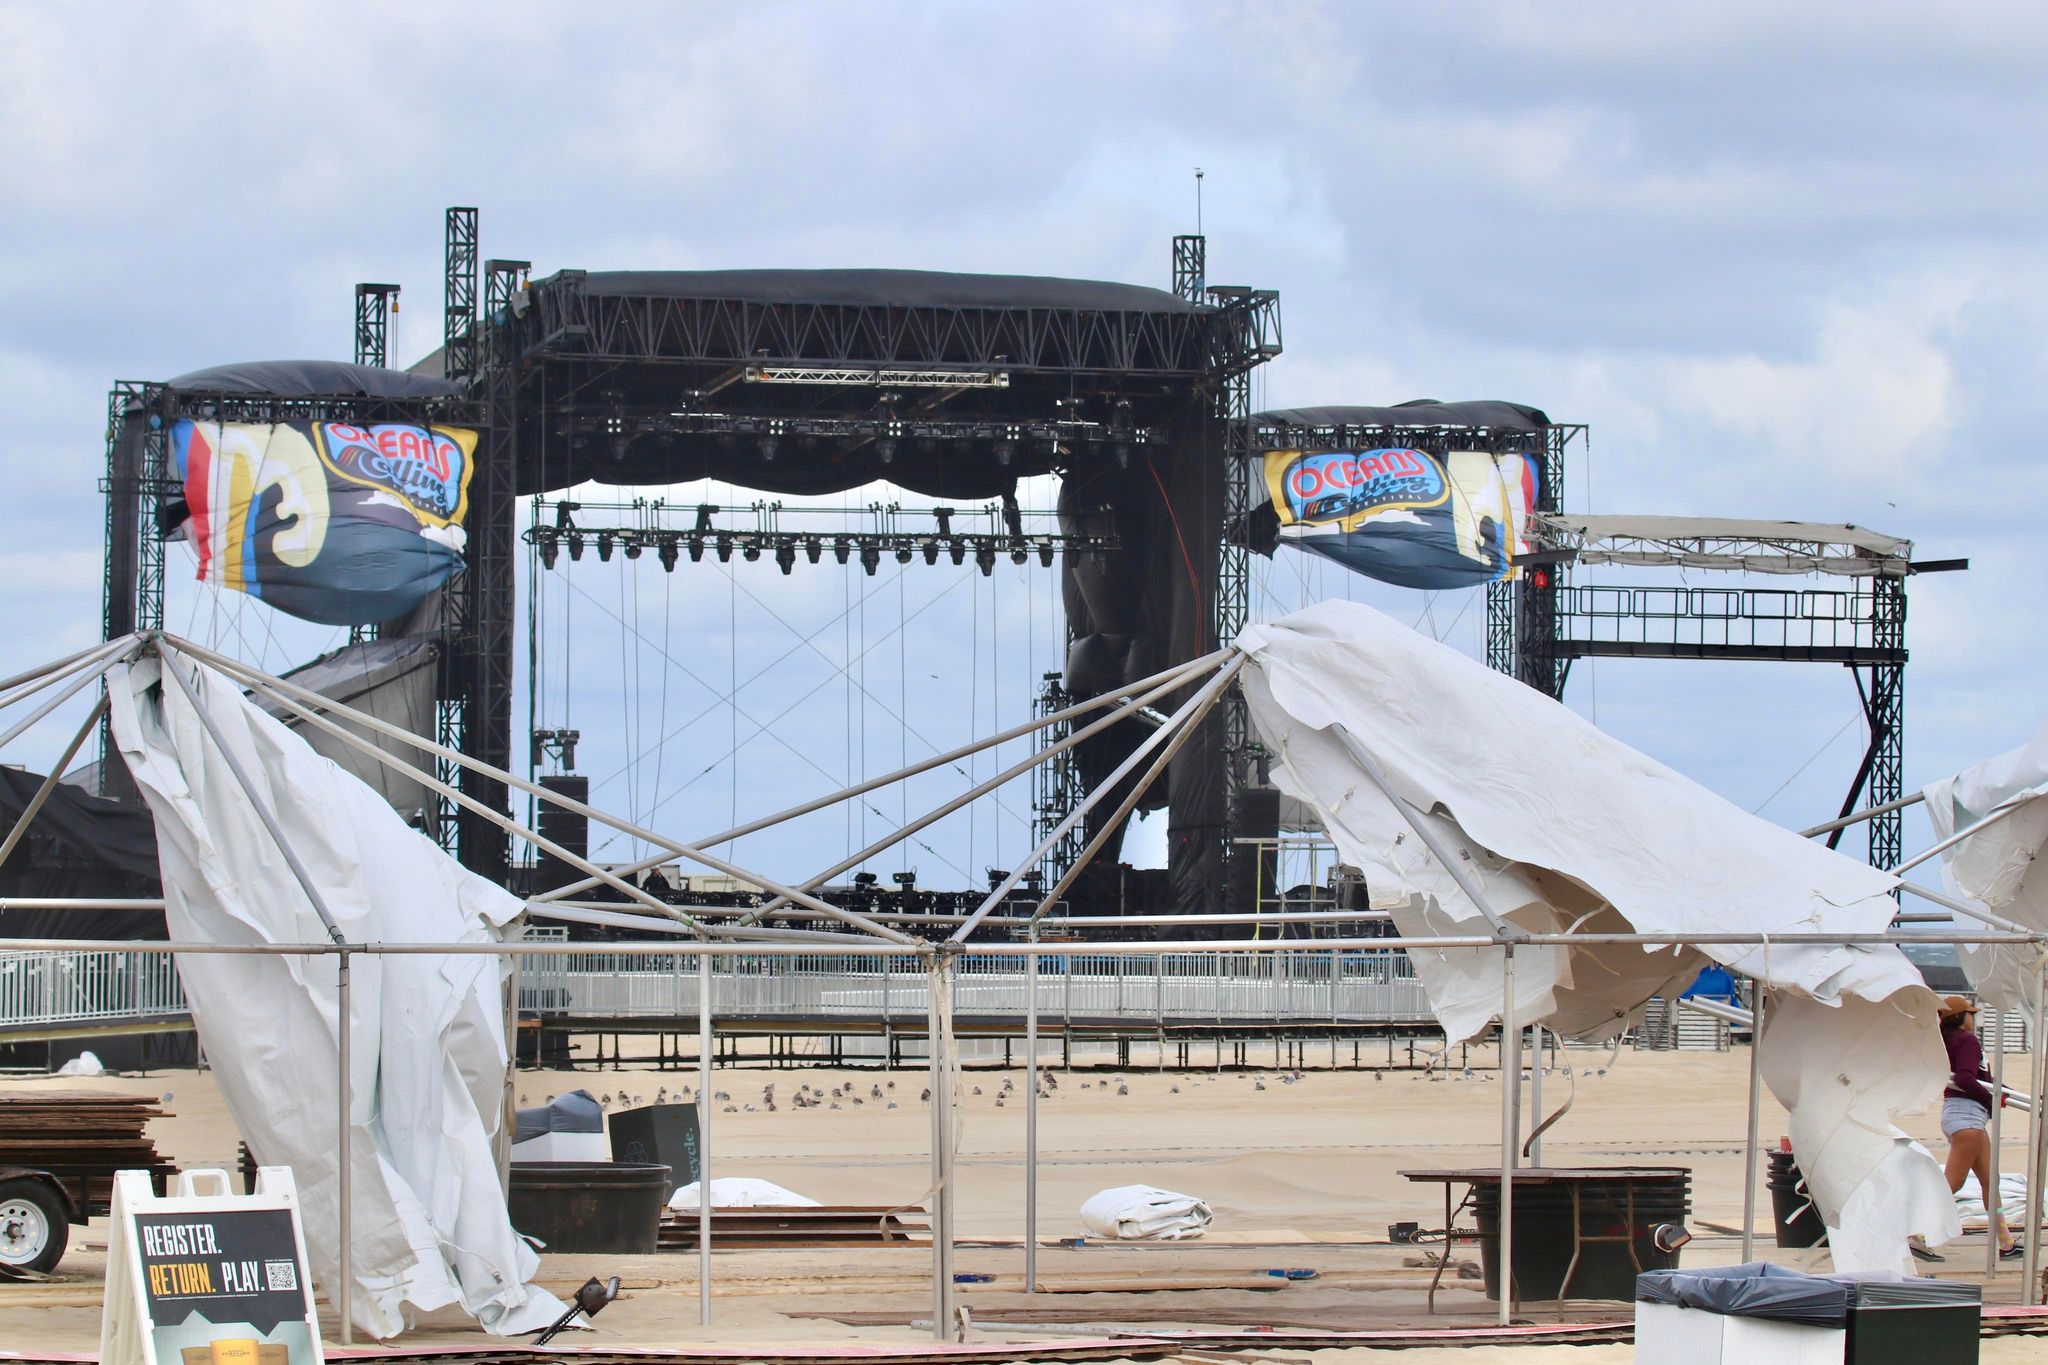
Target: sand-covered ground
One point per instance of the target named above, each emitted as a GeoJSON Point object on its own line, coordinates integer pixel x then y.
{"type": "Point", "coordinates": [1301, 1173]}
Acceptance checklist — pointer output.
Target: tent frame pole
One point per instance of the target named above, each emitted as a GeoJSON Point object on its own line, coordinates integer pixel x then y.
{"type": "Point", "coordinates": [704, 1139]}
{"type": "Point", "coordinates": [2030, 1275]}
{"type": "Point", "coordinates": [1510, 1129]}
{"type": "Point", "coordinates": [1749, 1145]}
{"type": "Point", "coordinates": [1994, 1197]}
{"type": "Point", "coordinates": [940, 812]}
{"type": "Point", "coordinates": [939, 1036]}
{"type": "Point", "coordinates": [1170, 678]}
{"type": "Point", "coordinates": [510, 779]}
{"type": "Point", "coordinates": [50, 781]}
{"type": "Point", "coordinates": [1175, 724]}
{"type": "Point", "coordinates": [1031, 1115]}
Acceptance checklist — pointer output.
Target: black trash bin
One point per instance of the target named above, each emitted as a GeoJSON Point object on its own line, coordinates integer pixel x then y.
{"type": "Point", "coordinates": [1798, 1221]}
{"type": "Point", "coordinates": [1912, 1322]}
{"type": "Point", "coordinates": [1887, 1322]}
{"type": "Point", "coordinates": [588, 1205]}
{"type": "Point", "coordinates": [1544, 1244]}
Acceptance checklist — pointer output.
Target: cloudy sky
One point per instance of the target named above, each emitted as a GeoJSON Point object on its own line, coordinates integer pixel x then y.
{"type": "Point", "coordinates": [1784, 260]}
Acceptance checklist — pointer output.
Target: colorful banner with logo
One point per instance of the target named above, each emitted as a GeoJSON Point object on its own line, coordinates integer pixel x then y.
{"type": "Point", "coordinates": [346, 525]}
{"type": "Point", "coordinates": [1405, 516]}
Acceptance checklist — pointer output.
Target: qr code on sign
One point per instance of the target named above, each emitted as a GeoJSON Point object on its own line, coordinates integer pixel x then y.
{"type": "Point", "coordinates": [281, 1275]}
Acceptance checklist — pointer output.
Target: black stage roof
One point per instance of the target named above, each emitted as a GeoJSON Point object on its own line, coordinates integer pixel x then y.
{"type": "Point", "coordinates": [878, 289]}
{"type": "Point", "coordinates": [1421, 412]}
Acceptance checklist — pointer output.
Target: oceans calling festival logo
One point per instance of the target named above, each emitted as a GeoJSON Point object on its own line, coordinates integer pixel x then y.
{"type": "Point", "coordinates": [421, 466]}
{"type": "Point", "coordinates": [1332, 485]}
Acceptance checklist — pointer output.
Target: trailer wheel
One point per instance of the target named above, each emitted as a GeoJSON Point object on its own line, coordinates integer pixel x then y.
{"type": "Point", "coordinates": [33, 1227]}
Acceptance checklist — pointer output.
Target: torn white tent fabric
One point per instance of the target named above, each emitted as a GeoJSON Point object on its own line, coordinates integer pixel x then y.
{"type": "Point", "coordinates": [427, 1061]}
{"type": "Point", "coordinates": [2000, 865]}
{"type": "Point", "coordinates": [1141, 1213]}
{"type": "Point", "coordinates": [1565, 829]}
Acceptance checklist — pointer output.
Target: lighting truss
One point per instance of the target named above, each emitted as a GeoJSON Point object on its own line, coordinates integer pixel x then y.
{"type": "Point", "coordinates": [860, 375]}
{"type": "Point", "coordinates": [984, 534]}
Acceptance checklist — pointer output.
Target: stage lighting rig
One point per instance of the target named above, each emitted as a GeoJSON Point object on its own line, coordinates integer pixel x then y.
{"type": "Point", "coordinates": [870, 557]}
{"type": "Point", "coordinates": [903, 552]}
{"type": "Point", "coordinates": [575, 546]}
{"type": "Point", "coordinates": [633, 548]}
{"type": "Point", "coordinates": [666, 552]}
{"type": "Point", "coordinates": [750, 552]}
{"type": "Point", "coordinates": [841, 547]}
{"type": "Point", "coordinates": [985, 560]}
{"type": "Point", "coordinates": [550, 550]}
{"type": "Point", "coordinates": [724, 548]}
{"type": "Point", "coordinates": [785, 556]}
{"type": "Point", "coordinates": [696, 544]}
{"type": "Point", "coordinates": [604, 546]}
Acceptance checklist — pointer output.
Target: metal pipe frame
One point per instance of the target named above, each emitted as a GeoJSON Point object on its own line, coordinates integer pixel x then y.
{"type": "Point", "coordinates": [2037, 1120]}
{"type": "Point", "coordinates": [497, 774]}
{"type": "Point", "coordinates": [946, 808]}
{"type": "Point", "coordinates": [1867, 813]}
{"type": "Point", "coordinates": [1998, 812]}
{"type": "Point", "coordinates": [1510, 1130]}
{"type": "Point", "coordinates": [50, 781]}
{"type": "Point", "coordinates": [1193, 706]}
{"type": "Point", "coordinates": [78, 678]}
{"type": "Point", "coordinates": [704, 1141]}
{"type": "Point", "coordinates": [1756, 1052]}
{"type": "Point", "coordinates": [1031, 1118]}
{"type": "Point", "coordinates": [1202, 702]}
{"type": "Point", "coordinates": [1175, 674]}
{"type": "Point", "coordinates": [467, 802]}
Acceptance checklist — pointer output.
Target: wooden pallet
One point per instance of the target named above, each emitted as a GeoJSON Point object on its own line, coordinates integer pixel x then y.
{"type": "Point", "coordinates": [775, 1226]}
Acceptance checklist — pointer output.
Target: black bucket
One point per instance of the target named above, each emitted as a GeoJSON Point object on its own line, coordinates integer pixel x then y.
{"type": "Point", "coordinates": [588, 1205]}
{"type": "Point", "coordinates": [1543, 1233]}
{"type": "Point", "coordinates": [1792, 1207]}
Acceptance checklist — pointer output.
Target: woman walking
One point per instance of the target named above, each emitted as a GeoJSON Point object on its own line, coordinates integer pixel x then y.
{"type": "Point", "coordinates": [1966, 1113]}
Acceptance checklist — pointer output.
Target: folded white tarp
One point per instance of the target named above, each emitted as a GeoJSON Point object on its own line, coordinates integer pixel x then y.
{"type": "Point", "coordinates": [427, 1065]}
{"type": "Point", "coordinates": [1565, 829]}
{"type": "Point", "coordinates": [742, 1192]}
{"type": "Point", "coordinates": [1134, 1213]}
{"type": "Point", "coordinates": [1999, 865]}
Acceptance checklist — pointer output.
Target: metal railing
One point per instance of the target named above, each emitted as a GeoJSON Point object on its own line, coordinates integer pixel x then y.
{"type": "Point", "coordinates": [56, 989]}
{"type": "Point", "coordinates": [1073, 983]}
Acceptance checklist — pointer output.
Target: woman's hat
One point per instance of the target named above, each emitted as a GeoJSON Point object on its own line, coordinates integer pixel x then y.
{"type": "Point", "coordinates": [1955, 1005]}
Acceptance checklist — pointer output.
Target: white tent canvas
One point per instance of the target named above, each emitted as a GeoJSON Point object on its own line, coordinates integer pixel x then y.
{"type": "Point", "coordinates": [2000, 865]}
{"type": "Point", "coordinates": [428, 1051]}
{"type": "Point", "coordinates": [1564, 829]}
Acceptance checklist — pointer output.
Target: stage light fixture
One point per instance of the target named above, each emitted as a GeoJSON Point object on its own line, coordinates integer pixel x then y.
{"type": "Point", "coordinates": [1019, 553]}
{"type": "Point", "coordinates": [785, 556]}
{"type": "Point", "coordinates": [1123, 455]}
{"type": "Point", "coordinates": [931, 550]}
{"type": "Point", "coordinates": [870, 557]}
{"type": "Point", "coordinates": [1045, 553]}
{"type": "Point", "coordinates": [632, 549]}
{"type": "Point", "coordinates": [696, 549]}
{"type": "Point", "coordinates": [751, 551]}
{"type": "Point", "coordinates": [885, 450]}
{"type": "Point", "coordinates": [666, 553]}
{"type": "Point", "coordinates": [1005, 452]}
{"type": "Point", "coordinates": [813, 547]}
{"type": "Point", "coordinates": [957, 548]}
{"type": "Point", "coordinates": [604, 546]}
{"type": "Point", "coordinates": [840, 548]}
{"type": "Point", "coordinates": [575, 546]}
{"type": "Point", "coordinates": [768, 447]}
{"type": "Point", "coordinates": [985, 560]}
{"type": "Point", "coordinates": [903, 552]}
{"type": "Point", "coordinates": [549, 552]}
{"type": "Point", "coordinates": [725, 549]}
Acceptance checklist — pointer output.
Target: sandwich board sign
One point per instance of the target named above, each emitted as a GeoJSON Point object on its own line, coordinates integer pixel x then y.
{"type": "Point", "coordinates": [206, 1276]}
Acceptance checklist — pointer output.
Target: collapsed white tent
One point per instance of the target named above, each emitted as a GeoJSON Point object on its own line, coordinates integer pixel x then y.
{"type": "Point", "coordinates": [1560, 828]}
{"type": "Point", "coordinates": [427, 1066]}
{"type": "Point", "coordinates": [1999, 865]}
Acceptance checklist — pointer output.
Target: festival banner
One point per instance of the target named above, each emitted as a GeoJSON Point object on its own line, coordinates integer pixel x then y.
{"type": "Point", "coordinates": [346, 525]}
{"type": "Point", "coordinates": [1405, 516]}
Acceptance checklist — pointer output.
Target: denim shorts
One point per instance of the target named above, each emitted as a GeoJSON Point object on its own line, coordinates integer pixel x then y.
{"type": "Point", "coordinates": [1958, 1113]}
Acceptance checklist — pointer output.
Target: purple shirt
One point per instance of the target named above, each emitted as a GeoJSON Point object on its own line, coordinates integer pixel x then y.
{"type": "Point", "coordinates": [1966, 1073]}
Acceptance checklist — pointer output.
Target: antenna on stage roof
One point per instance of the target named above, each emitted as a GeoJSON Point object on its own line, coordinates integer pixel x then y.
{"type": "Point", "coordinates": [1198, 200]}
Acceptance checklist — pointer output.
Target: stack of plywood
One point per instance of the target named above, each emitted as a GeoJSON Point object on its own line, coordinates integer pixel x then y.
{"type": "Point", "coordinates": [82, 1138]}
{"type": "Point", "coordinates": [771, 1226]}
